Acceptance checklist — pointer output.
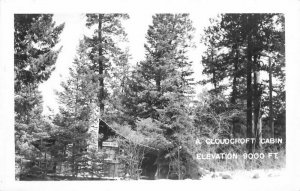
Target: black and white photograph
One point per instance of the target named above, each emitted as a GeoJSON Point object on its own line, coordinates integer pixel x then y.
{"type": "Point", "coordinates": [147, 97]}
{"type": "Point", "coordinates": [145, 120]}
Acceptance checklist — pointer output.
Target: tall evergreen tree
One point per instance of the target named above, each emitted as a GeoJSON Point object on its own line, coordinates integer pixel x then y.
{"type": "Point", "coordinates": [103, 48]}
{"type": "Point", "coordinates": [77, 104]}
{"type": "Point", "coordinates": [35, 37]}
{"type": "Point", "coordinates": [246, 41]}
{"type": "Point", "coordinates": [161, 85]}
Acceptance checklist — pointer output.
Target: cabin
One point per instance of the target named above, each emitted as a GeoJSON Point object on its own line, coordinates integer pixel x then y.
{"type": "Point", "coordinates": [111, 167]}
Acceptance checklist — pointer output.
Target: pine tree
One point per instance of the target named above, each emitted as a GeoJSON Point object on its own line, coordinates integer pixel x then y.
{"type": "Point", "coordinates": [34, 56]}
{"type": "Point", "coordinates": [117, 84]}
{"type": "Point", "coordinates": [245, 40]}
{"type": "Point", "coordinates": [78, 101]}
{"type": "Point", "coordinates": [160, 86]}
{"type": "Point", "coordinates": [213, 59]}
{"type": "Point", "coordinates": [35, 37]}
{"type": "Point", "coordinates": [103, 48]}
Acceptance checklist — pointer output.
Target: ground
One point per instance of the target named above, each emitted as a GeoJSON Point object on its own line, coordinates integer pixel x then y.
{"type": "Point", "coordinates": [255, 180]}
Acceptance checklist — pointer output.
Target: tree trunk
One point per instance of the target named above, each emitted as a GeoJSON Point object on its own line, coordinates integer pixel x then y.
{"type": "Point", "coordinates": [234, 90]}
{"type": "Point", "coordinates": [271, 124]}
{"type": "Point", "coordinates": [249, 94]}
{"type": "Point", "coordinates": [256, 102]}
{"type": "Point", "coordinates": [157, 81]}
{"type": "Point", "coordinates": [100, 65]}
{"type": "Point", "coordinates": [101, 72]}
{"type": "Point", "coordinates": [213, 70]}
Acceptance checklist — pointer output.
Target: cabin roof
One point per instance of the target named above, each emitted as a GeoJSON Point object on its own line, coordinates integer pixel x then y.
{"type": "Point", "coordinates": [104, 128]}
{"type": "Point", "coordinates": [112, 132]}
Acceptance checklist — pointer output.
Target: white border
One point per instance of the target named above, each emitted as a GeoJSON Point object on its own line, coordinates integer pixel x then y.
{"type": "Point", "coordinates": [291, 9]}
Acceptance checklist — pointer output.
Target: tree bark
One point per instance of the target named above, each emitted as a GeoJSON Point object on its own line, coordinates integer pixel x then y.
{"type": "Point", "coordinates": [256, 102]}
{"type": "Point", "coordinates": [157, 81]}
{"type": "Point", "coordinates": [100, 65]}
{"type": "Point", "coordinates": [271, 124]}
{"type": "Point", "coordinates": [234, 89]}
{"type": "Point", "coordinates": [249, 94]}
{"type": "Point", "coordinates": [213, 71]}
{"type": "Point", "coordinates": [101, 72]}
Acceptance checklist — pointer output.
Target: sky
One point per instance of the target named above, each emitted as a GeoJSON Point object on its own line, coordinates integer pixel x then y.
{"type": "Point", "coordinates": [136, 28]}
